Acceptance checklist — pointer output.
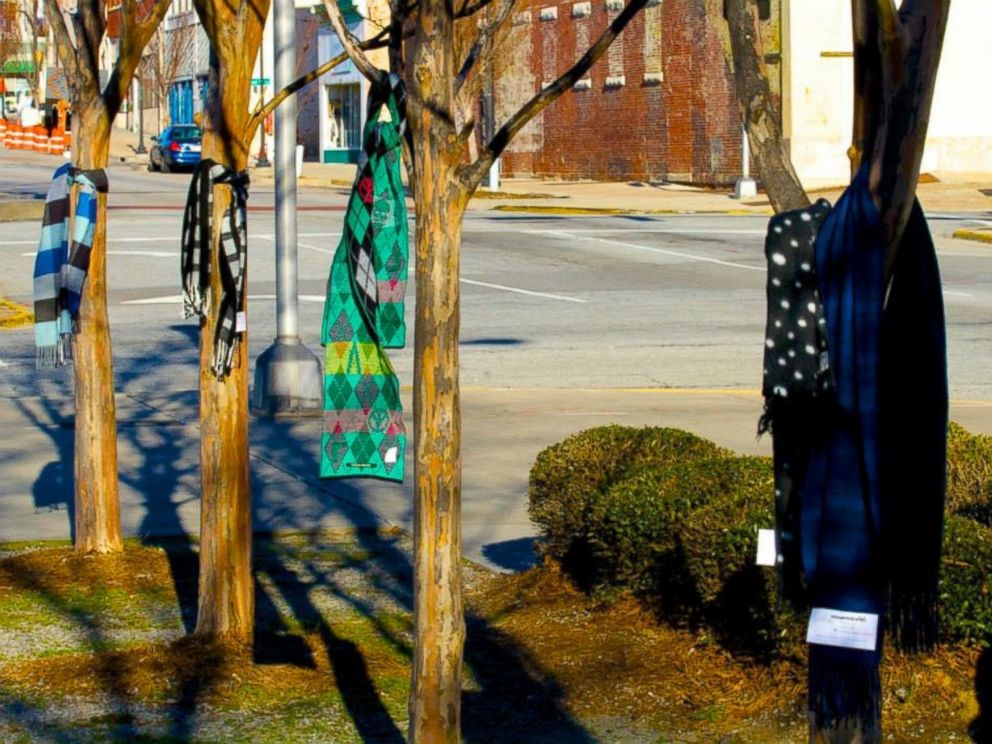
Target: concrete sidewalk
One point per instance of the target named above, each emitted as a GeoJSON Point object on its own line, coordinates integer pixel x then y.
{"type": "Point", "coordinates": [938, 193]}
{"type": "Point", "coordinates": [503, 432]}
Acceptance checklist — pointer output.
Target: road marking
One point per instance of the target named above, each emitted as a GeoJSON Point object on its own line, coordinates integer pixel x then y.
{"type": "Point", "coordinates": [147, 254]}
{"type": "Point", "coordinates": [672, 230]}
{"type": "Point", "coordinates": [176, 299]}
{"type": "Point", "coordinates": [325, 251]}
{"type": "Point", "coordinates": [517, 290]}
{"type": "Point", "coordinates": [565, 235]}
{"type": "Point", "coordinates": [955, 293]}
{"type": "Point", "coordinates": [3, 364]}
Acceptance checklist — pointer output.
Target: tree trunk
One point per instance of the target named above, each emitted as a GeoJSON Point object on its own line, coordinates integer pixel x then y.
{"type": "Point", "coordinates": [226, 603]}
{"type": "Point", "coordinates": [435, 694]}
{"type": "Point", "coordinates": [761, 118]}
{"type": "Point", "coordinates": [97, 508]}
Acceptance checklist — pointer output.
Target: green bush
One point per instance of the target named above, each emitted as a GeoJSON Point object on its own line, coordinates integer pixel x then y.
{"type": "Point", "coordinates": [969, 474]}
{"type": "Point", "coordinates": [720, 538]}
{"type": "Point", "coordinates": [634, 528]}
{"type": "Point", "coordinates": [965, 573]}
{"type": "Point", "coordinates": [675, 518]}
{"type": "Point", "coordinates": [567, 477]}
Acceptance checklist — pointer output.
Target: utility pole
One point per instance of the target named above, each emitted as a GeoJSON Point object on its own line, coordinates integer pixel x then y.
{"type": "Point", "coordinates": [139, 95]}
{"type": "Point", "coordinates": [263, 157]}
{"type": "Point", "coordinates": [287, 376]}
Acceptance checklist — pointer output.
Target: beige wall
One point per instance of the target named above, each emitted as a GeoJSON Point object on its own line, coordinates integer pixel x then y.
{"type": "Point", "coordinates": [819, 78]}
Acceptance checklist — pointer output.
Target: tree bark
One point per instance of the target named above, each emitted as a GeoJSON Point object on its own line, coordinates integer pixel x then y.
{"type": "Point", "coordinates": [762, 120]}
{"type": "Point", "coordinates": [97, 509]}
{"type": "Point", "coordinates": [226, 602]}
{"type": "Point", "coordinates": [435, 693]}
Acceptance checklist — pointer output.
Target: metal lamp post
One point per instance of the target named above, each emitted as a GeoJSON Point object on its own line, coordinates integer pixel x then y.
{"type": "Point", "coordinates": [139, 102]}
{"type": "Point", "coordinates": [287, 375]}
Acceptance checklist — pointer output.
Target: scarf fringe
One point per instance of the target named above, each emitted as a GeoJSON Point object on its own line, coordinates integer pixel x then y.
{"type": "Point", "coordinates": [54, 355]}
{"type": "Point", "coordinates": [223, 356]}
{"type": "Point", "coordinates": [913, 620]}
{"type": "Point", "coordinates": [845, 690]}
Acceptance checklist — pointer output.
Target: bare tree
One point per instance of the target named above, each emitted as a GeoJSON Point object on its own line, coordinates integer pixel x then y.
{"type": "Point", "coordinates": [79, 36]}
{"type": "Point", "coordinates": [761, 116]}
{"type": "Point", "coordinates": [425, 51]}
{"type": "Point", "coordinates": [22, 29]}
{"type": "Point", "coordinates": [167, 56]}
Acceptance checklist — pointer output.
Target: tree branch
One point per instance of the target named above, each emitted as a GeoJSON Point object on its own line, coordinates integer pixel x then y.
{"type": "Point", "coordinates": [483, 42]}
{"type": "Point", "coordinates": [470, 10]}
{"type": "Point", "coordinates": [473, 173]}
{"type": "Point", "coordinates": [896, 57]}
{"type": "Point", "coordinates": [352, 46]}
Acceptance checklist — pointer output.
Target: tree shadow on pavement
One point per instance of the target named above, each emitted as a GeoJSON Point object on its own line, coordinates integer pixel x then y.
{"type": "Point", "coordinates": [506, 678]}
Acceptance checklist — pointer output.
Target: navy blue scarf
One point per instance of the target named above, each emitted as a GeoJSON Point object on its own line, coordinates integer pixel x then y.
{"type": "Point", "coordinates": [873, 494]}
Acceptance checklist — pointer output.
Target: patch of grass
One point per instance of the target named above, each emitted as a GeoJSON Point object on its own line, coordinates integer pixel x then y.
{"type": "Point", "coordinates": [544, 662]}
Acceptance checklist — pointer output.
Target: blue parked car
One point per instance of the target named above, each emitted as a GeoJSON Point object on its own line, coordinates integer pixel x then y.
{"type": "Point", "coordinates": [177, 147]}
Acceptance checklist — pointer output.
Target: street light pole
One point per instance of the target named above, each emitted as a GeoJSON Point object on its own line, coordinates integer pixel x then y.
{"type": "Point", "coordinates": [263, 157]}
{"type": "Point", "coordinates": [287, 375]}
{"type": "Point", "coordinates": [139, 98]}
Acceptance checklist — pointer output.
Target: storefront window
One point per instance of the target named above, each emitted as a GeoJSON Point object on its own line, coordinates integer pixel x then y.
{"type": "Point", "coordinates": [344, 116]}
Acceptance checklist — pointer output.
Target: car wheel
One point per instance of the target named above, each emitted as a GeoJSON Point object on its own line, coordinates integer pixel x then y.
{"type": "Point", "coordinates": [165, 167]}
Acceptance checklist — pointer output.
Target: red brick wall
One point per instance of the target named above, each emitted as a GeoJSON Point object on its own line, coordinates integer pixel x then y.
{"type": "Point", "coordinates": [683, 128]}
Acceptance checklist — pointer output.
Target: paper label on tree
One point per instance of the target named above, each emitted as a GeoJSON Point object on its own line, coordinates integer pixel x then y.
{"type": "Point", "coordinates": [844, 629]}
{"type": "Point", "coordinates": [392, 454]}
{"type": "Point", "coordinates": [766, 548]}
{"type": "Point", "coordinates": [241, 322]}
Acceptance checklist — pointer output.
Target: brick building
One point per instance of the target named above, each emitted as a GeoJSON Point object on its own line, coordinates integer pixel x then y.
{"type": "Point", "coordinates": [660, 105]}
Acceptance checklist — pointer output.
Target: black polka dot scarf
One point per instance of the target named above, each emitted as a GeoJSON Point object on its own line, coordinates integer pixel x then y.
{"type": "Point", "coordinates": [795, 337]}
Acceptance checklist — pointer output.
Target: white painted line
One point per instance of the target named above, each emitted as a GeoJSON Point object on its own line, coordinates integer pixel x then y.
{"type": "Point", "coordinates": [326, 251]}
{"type": "Point", "coordinates": [517, 290]}
{"type": "Point", "coordinates": [147, 254]}
{"type": "Point", "coordinates": [166, 300]}
{"type": "Point", "coordinates": [3, 364]}
{"type": "Point", "coordinates": [569, 235]}
{"type": "Point", "coordinates": [956, 293]}
{"type": "Point", "coordinates": [176, 299]}
{"type": "Point", "coordinates": [661, 230]}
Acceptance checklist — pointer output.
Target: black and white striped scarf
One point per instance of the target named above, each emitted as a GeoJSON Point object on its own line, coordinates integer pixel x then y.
{"type": "Point", "coordinates": [232, 261]}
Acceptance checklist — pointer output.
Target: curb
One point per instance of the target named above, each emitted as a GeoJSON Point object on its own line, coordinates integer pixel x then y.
{"type": "Point", "coordinates": [542, 209]}
{"type": "Point", "coordinates": [979, 236]}
{"type": "Point", "coordinates": [22, 210]}
{"type": "Point", "coordinates": [14, 315]}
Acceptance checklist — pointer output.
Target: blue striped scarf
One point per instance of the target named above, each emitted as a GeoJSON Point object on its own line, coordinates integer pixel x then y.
{"type": "Point", "coordinates": [60, 272]}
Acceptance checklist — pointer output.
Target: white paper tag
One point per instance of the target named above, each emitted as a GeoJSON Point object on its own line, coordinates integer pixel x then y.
{"type": "Point", "coordinates": [241, 322]}
{"type": "Point", "coordinates": [391, 454]}
{"type": "Point", "coordinates": [766, 548]}
{"type": "Point", "coordinates": [844, 629]}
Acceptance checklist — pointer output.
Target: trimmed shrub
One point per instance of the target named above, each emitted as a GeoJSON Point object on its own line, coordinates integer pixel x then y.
{"type": "Point", "coordinates": [675, 518]}
{"type": "Point", "coordinates": [568, 476]}
{"type": "Point", "coordinates": [966, 573]}
{"type": "Point", "coordinates": [720, 538]}
{"type": "Point", "coordinates": [634, 528]}
{"type": "Point", "coordinates": [969, 474]}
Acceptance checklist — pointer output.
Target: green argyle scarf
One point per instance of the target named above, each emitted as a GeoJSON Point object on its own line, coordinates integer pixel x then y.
{"type": "Point", "coordinates": [363, 313]}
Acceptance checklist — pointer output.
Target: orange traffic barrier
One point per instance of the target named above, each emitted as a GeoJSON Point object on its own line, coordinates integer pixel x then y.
{"type": "Point", "coordinates": [15, 136]}
{"type": "Point", "coordinates": [3, 132]}
{"type": "Point", "coordinates": [39, 139]}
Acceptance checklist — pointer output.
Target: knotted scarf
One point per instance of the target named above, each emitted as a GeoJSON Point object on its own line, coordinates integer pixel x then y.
{"type": "Point", "coordinates": [364, 309]}
{"type": "Point", "coordinates": [197, 246]}
{"type": "Point", "coordinates": [60, 272]}
{"type": "Point", "coordinates": [871, 475]}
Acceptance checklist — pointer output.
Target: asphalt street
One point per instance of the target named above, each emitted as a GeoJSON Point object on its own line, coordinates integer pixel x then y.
{"type": "Point", "coordinates": [567, 322]}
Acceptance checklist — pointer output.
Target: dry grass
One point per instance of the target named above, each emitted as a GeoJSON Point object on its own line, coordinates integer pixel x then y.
{"type": "Point", "coordinates": [561, 662]}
